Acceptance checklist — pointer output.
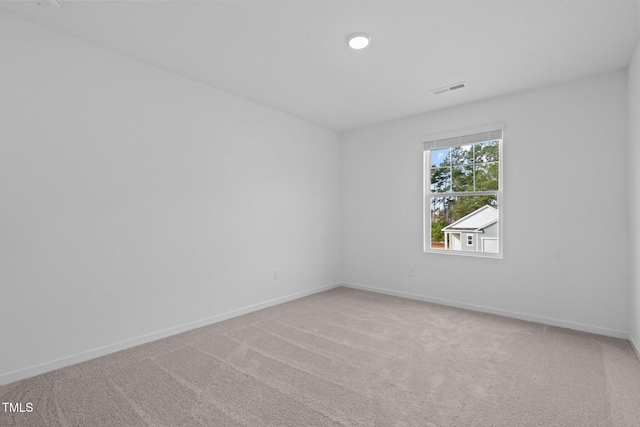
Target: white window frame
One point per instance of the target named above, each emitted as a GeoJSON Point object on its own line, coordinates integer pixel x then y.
{"type": "Point", "coordinates": [469, 239]}
{"type": "Point", "coordinates": [428, 142]}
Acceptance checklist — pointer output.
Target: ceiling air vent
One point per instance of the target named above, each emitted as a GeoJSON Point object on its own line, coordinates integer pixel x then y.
{"type": "Point", "coordinates": [449, 88]}
{"type": "Point", "coordinates": [49, 3]}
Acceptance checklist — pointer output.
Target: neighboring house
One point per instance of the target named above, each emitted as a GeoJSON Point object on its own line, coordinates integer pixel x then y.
{"type": "Point", "coordinates": [476, 232]}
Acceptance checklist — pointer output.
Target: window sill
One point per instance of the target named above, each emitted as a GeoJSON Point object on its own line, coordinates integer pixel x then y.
{"type": "Point", "coordinates": [464, 253]}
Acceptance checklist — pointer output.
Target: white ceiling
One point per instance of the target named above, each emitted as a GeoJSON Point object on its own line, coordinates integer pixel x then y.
{"type": "Point", "coordinates": [293, 56]}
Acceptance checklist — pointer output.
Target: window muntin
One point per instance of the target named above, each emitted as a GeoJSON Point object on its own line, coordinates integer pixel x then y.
{"type": "Point", "coordinates": [467, 168]}
{"type": "Point", "coordinates": [462, 194]}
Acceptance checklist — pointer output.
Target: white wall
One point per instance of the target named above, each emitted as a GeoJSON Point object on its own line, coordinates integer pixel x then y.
{"type": "Point", "coordinates": [634, 195]}
{"type": "Point", "coordinates": [134, 204]}
{"type": "Point", "coordinates": [134, 201]}
{"type": "Point", "coordinates": [565, 208]}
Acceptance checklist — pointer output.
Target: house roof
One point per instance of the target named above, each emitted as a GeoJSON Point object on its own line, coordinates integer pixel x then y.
{"type": "Point", "coordinates": [475, 221]}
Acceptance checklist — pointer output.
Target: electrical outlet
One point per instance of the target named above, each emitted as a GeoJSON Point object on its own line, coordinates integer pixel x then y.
{"type": "Point", "coordinates": [412, 272]}
{"type": "Point", "coordinates": [276, 273]}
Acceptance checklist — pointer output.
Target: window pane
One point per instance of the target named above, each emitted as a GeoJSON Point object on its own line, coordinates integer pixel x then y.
{"type": "Point", "coordinates": [462, 178]}
{"type": "Point", "coordinates": [457, 220]}
{"type": "Point", "coordinates": [487, 151]}
{"type": "Point", "coordinates": [462, 155]}
{"type": "Point", "coordinates": [440, 218]}
{"type": "Point", "coordinates": [486, 176]}
{"type": "Point", "coordinates": [460, 220]}
{"type": "Point", "coordinates": [440, 158]}
{"type": "Point", "coordinates": [440, 180]}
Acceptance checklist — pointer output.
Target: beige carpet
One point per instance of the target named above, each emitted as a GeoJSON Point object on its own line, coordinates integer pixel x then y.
{"type": "Point", "coordinates": [347, 358]}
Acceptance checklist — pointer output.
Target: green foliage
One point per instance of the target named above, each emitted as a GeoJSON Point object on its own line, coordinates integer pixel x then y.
{"type": "Point", "coordinates": [486, 177]}
{"type": "Point", "coordinates": [437, 235]}
{"type": "Point", "coordinates": [441, 180]}
{"type": "Point", "coordinates": [487, 152]}
{"type": "Point", "coordinates": [463, 206]}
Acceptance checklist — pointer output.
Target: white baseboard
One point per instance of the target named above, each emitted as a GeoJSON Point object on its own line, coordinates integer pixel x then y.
{"type": "Point", "coordinates": [634, 345]}
{"type": "Point", "coordinates": [616, 333]}
{"type": "Point", "coordinates": [42, 368]}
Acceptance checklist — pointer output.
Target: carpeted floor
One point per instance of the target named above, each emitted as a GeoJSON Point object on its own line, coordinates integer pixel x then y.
{"type": "Point", "coordinates": [347, 358]}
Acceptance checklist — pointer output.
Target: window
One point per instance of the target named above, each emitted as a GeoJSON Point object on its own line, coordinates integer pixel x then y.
{"type": "Point", "coordinates": [463, 194]}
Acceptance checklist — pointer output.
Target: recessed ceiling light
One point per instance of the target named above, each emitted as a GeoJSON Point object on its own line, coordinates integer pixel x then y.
{"type": "Point", "coordinates": [359, 40]}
